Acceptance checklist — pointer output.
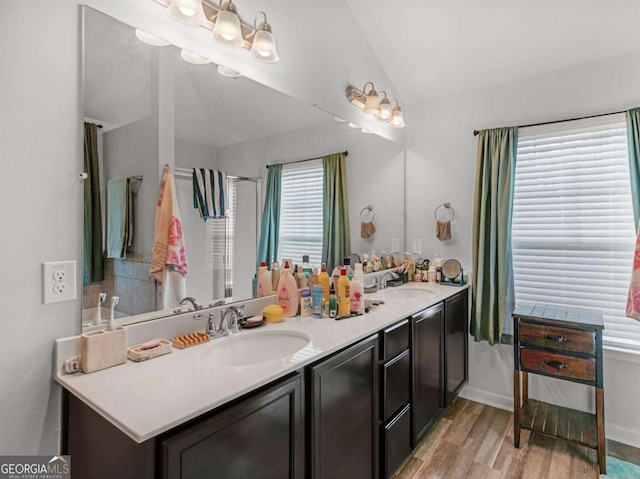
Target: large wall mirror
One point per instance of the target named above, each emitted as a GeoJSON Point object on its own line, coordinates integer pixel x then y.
{"type": "Point", "coordinates": [156, 109]}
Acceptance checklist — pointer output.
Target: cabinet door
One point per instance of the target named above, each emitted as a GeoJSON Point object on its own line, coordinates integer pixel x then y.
{"type": "Point", "coordinates": [344, 414]}
{"type": "Point", "coordinates": [260, 437]}
{"type": "Point", "coordinates": [455, 344]}
{"type": "Point", "coordinates": [426, 347]}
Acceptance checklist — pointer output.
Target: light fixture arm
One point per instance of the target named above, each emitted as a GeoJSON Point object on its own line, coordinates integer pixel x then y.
{"type": "Point", "coordinates": [364, 88]}
{"type": "Point", "coordinates": [385, 94]}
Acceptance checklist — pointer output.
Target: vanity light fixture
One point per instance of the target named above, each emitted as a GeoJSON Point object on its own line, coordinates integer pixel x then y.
{"type": "Point", "coordinates": [150, 39]}
{"type": "Point", "coordinates": [193, 58]}
{"type": "Point", "coordinates": [369, 102]}
{"type": "Point", "coordinates": [226, 26]}
{"type": "Point", "coordinates": [397, 118]}
{"type": "Point", "coordinates": [372, 103]}
{"type": "Point", "coordinates": [187, 11]}
{"type": "Point", "coordinates": [228, 72]}
{"type": "Point", "coordinates": [263, 44]}
{"type": "Point", "coordinates": [385, 107]}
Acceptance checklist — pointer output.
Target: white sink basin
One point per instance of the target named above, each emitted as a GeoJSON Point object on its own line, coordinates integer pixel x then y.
{"type": "Point", "coordinates": [257, 348]}
{"type": "Point", "coordinates": [406, 292]}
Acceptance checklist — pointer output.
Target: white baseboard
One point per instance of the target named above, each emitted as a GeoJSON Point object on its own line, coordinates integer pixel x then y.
{"type": "Point", "coordinates": [485, 397]}
{"type": "Point", "coordinates": [614, 432]}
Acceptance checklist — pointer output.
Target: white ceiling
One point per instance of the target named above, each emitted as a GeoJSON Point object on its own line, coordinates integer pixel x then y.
{"type": "Point", "coordinates": [437, 47]}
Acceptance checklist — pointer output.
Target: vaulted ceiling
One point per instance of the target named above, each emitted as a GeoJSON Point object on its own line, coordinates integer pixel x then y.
{"type": "Point", "coordinates": [437, 47]}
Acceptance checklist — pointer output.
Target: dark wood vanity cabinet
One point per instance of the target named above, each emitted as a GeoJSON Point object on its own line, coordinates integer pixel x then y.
{"type": "Point", "coordinates": [426, 351]}
{"type": "Point", "coordinates": [343, 414]}
{"type": "Point", "coordinates": [261, 437]}
{"type": "Point", "coordinates": [258, 436]}
{"type": "Point", "coordinates": [395, 397]}
{"type": "Point", "coordinates": [456, 347]}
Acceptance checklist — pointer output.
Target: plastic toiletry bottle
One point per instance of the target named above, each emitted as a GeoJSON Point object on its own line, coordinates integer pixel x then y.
{"type": "Point", "coordinates": [254, 286]}
{"type": "Point", "coordinates": [356, 293]}
{"type": "Point", "coordinates": [316, 301]}
{"type": "Point", "coordinates": [344, 306]}
{"type": "Point", "coordinates": [333, 304]}
{"type": "Point", "coordinates": [312, 280]}
{"type": "Point", "coordinates": [287, 292]}
{"type": "Point", "coordinates": [347, 266]}
{"type": "Point", "coordinates": [384, 259]}
{"type": "Point", "coordinates": [301, 279]}
{"type": "Point", "coordinates": [305, 302]}
{"type": "Point", "coordinates": [275, 275]}
{"type": "Point", "coordinates": [264, 281]}
{"type": "Point", "coordinates": [306, 267]}
{"type": "Point", "coordinates": [325, 282]}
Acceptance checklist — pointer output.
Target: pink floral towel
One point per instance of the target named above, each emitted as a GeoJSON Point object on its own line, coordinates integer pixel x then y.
{"type": "Point", "coordinates": [168, 248]}
{"type": "Point", "coordinates": [633, 299]}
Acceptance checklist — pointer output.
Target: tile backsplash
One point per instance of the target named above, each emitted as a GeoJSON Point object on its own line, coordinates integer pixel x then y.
{"type": "Point", "coordinates": [130, 280]}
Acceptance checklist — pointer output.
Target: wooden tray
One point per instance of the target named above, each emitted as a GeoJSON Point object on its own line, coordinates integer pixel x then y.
{"type": "Point", "coordinates": [188, 340]}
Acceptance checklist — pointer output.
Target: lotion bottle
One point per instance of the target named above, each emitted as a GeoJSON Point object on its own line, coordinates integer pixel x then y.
{"type": "Point", "coordinates": [344, 306]}
{"type": "Point", "coordinates": [264, 281]}
{"type": "Point", "coordinates": [356, 293]}
{"type": "Point", "coordinates": [325, 282]}
{"type": "Point", "coordinates": [287, 292]}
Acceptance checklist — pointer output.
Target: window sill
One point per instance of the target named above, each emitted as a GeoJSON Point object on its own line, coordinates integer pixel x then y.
{"type": "Point", "coordinates": [621, 354]}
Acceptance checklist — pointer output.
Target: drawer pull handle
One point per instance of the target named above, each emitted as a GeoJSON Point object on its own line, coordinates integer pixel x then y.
{"type": "Point", "coordinates": [556, 339]}
{"type": "Point", "coordinates": [556, 365]}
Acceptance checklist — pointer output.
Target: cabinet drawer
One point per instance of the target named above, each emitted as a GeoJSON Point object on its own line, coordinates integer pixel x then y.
{"type": "Point", "coordinates": [560, 365]}
{"type": "Point", "coordinates": [562, 339]}
{"type": "Point", "coordinates": [395, 339]}
{"type": "Point", "coordinates": [396, 379]}
{"type": "Point", "coordinates": [396, 442]}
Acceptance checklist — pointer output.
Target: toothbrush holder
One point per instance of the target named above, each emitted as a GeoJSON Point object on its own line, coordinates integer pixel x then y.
{"type": "Point", "coordinates": [102, 349]}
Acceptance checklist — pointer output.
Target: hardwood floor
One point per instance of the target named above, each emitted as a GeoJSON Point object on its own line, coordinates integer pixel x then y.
{"type": "Point", "coordinates": [476, 441]}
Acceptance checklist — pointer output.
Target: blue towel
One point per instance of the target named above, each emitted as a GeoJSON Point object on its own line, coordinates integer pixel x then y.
{"type": "Point", "coordinates": [119, 217]}
{"type": "Point", "coordinates": [210, 193]}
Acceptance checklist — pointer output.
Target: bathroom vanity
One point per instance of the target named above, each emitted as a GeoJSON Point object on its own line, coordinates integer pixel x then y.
{"type": "Point", "coordinates": [353, 402]}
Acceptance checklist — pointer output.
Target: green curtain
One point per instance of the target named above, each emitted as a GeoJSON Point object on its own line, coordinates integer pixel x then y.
{"type": "Point", "coordinates": [633, 141]}
{"type": "Point", "coordinates": [492, 285]}
{"type": "Point", "coordinates": [270, 229]}
{"type": "Point", "coordinates": [336, 244]}
{"type": "Point", "coordinates": [92, 259]}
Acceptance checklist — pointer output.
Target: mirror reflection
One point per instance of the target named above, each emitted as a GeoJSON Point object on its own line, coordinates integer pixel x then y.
{"type": "Point", "coordinates": [154, 109]}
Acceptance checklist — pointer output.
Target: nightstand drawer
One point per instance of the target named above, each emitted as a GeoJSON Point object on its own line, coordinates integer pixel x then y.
{"type": "Point", "coordinates": [562, 339]}
{"type": "Point", "coordinates": [560, 365]}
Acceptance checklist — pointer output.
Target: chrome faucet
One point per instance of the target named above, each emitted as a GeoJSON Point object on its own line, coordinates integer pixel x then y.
{"type": "Point", "coordinates": [232, 315]}
{"type": "Point", "coordinates": [194, 303]}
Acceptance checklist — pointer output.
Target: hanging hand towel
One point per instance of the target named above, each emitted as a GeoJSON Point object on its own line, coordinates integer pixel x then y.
{"type": "Point", "coordinates": [633, 298]}
{"type": "Point", "coordinates": [443, 230]}
{"type": "Point", "coordinates": [367, 229]}
{"type": "Point", "coordinates": [169, 258]}
{"type": "Point", "coordinates": [210, 193]}
{"type": "Point", "coordinates": [119, 217]}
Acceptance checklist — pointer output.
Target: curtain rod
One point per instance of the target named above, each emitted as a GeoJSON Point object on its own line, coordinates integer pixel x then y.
{"type": "Point", "coordinates": [346, 153]}
{"type": "Point", "coordinates": [188, 172]}
{"type": "Point", "coordinates": [477, 132]}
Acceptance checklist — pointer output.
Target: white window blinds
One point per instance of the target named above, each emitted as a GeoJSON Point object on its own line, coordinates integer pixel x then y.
{"type": "Point", "coordinates": [301, 212]}
{"type": "Point", "coordinates": [573, 229]}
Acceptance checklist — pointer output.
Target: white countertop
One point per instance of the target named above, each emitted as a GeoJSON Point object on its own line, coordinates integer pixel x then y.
{"type": "Point", "coordinates": [148, 398]}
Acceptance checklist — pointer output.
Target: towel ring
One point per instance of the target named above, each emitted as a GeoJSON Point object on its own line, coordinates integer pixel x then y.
{"type": "Point", "coordinates": [367, 215]}
{"type": "Point", "coordinates": [449, 208]}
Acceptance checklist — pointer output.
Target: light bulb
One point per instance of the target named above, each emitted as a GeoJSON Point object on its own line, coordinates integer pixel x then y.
{"type": "Point", "coordinates": [187, 11]}
{"type": "Point", "coordinates": [227, 28]}
{"type": "Point", "coordinates": [228, 72]}
{"type": "Point", "coordinates": [150, 39]}
{"type": "Point", "coordinates": [263, 47]}
{"type": "Point", "coordinates": [193, 58]}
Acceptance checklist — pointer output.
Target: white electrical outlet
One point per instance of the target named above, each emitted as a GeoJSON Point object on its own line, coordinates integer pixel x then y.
{"type": "Point", "coordinates": [58, 281]}
{"type": "Point", "coordinates": [395, 245]}
{"type": "Point", "coordinates": [417, 246]}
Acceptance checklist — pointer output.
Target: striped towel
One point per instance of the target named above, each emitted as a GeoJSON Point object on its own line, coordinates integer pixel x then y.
{"type": "Point", "coordinates": [210, 193]}
{"type": "Point", "coordinates": [168, 247]}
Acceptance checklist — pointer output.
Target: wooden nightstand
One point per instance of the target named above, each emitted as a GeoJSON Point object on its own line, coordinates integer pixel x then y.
{"type": "Point", "coordinates": [564, 343]}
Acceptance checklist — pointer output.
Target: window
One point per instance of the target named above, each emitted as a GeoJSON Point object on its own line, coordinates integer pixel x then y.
{"type": "Point", "coordinates": [573, 232]}
{"type": "Point", "coordinates": [221, 239]}
{"type": "Point", "coordinates": [301, 212]}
